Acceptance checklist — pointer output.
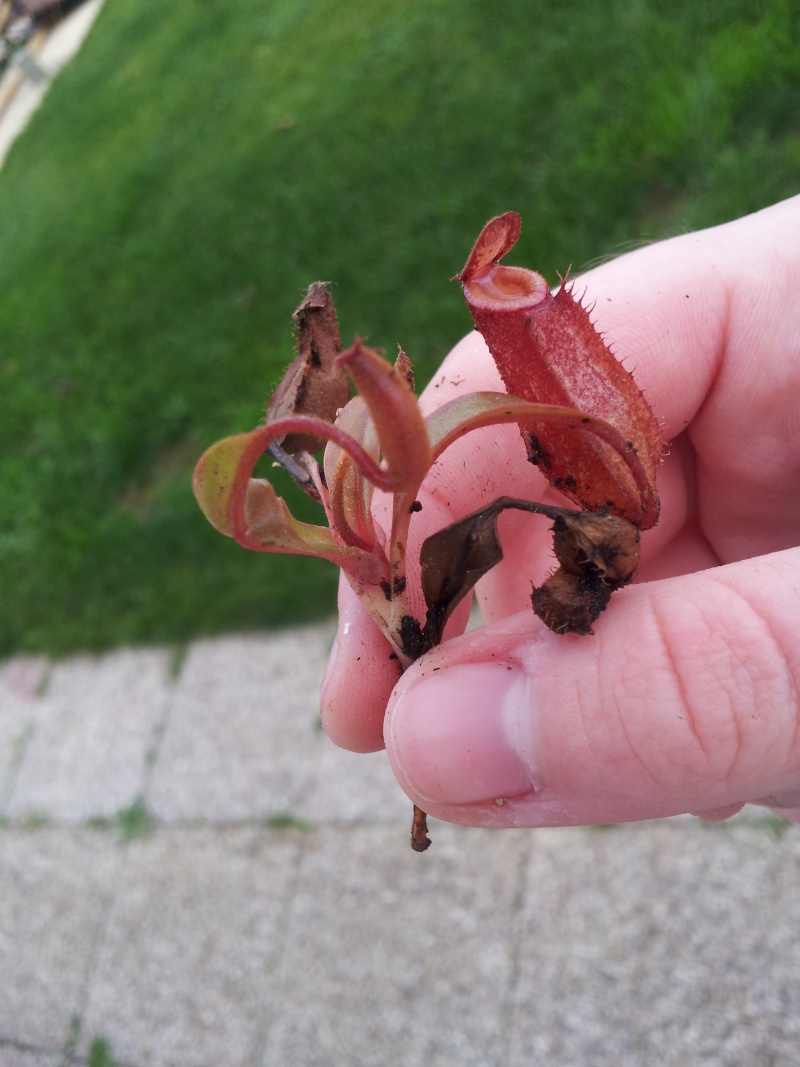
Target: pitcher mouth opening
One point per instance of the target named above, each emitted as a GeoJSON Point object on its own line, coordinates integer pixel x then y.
{"type": "Point", "coordinates": [500, 288]}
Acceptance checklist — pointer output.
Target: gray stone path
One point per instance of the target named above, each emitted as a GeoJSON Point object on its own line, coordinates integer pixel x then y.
{"type": "Point", "coordinates": [192, 875]}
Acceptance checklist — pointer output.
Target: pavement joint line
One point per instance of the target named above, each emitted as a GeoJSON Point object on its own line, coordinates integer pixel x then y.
{"type": "Point", "coordinates": [266, 1024]}
{"type": "Point", "coordinates": [153, 749]}
{"type": "Point", "coordinates": [20, 743]}
{"type": "Point", "coordinates": [515, 968]}
{"type": "Point", "coordinates": [73, 1041]}
{"type": "Point", "coordinates": [281, 822]}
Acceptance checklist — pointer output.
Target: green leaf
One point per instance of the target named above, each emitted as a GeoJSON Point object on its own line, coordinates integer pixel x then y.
{"type": "Point", "coordinates": [214, 477]}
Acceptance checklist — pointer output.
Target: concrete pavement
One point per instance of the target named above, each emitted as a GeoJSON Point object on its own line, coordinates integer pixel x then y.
{"type": "Point", "coordinates": [192, 875]}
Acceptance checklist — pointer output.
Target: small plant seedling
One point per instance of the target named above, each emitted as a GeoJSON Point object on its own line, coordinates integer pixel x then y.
{"type": "Point", "coordinates": [583, 422]}
{"type": "Point", "coordinates": [135, 821]}
{"type": "Point", "coordinates": [100, 1053]}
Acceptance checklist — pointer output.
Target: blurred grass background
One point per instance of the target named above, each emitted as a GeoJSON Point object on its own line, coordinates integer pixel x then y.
{"type": "Point", "coordinates": [200, 162]}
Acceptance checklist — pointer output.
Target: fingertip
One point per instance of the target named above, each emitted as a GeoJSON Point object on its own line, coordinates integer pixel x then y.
{"type": "Point", "coordinates": [362, 671]}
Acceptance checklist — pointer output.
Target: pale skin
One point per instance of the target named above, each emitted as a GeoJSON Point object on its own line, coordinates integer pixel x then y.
{"type": "Point", "coordinates": [687, 696]}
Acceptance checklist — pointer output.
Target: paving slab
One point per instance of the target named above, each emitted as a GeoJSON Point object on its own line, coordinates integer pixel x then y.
{"type": "Point", "coordinates": [56, 887]}
{"type": "Point", "coordinates": [666, 943]}
{"type": "Point", "coordinates": [98, 720]}
{"type": "Point", "coordinates": [401, 958]}
{"type": "Point", "coordinates": [243, 739]}
{"type": "Point", "coordinates": [186, 975]}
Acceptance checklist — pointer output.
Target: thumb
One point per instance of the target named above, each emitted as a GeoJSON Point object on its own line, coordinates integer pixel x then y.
{"type": "Point", "coordinates": [685, 700]}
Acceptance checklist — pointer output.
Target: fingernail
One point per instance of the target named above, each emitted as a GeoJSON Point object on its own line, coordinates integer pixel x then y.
{"type": "Point", "coordinates": [456, 736]}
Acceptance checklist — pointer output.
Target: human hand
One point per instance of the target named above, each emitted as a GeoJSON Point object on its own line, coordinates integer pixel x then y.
{"type": "Point", "coordinates": [686, 699]}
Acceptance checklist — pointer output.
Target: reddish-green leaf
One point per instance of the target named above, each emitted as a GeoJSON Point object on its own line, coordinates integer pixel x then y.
{"type": "Point", "coordinates": [395, 412]}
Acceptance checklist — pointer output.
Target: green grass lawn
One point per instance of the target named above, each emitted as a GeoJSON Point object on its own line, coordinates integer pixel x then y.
{"type": "Point", "coordinates": [200, 162]}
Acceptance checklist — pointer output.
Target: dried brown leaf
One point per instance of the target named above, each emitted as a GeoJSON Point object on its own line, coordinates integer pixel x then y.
{"type": "Point", "coordinates": [313, 384]}
{"type": "Point", "coordinates": [597, 552]}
